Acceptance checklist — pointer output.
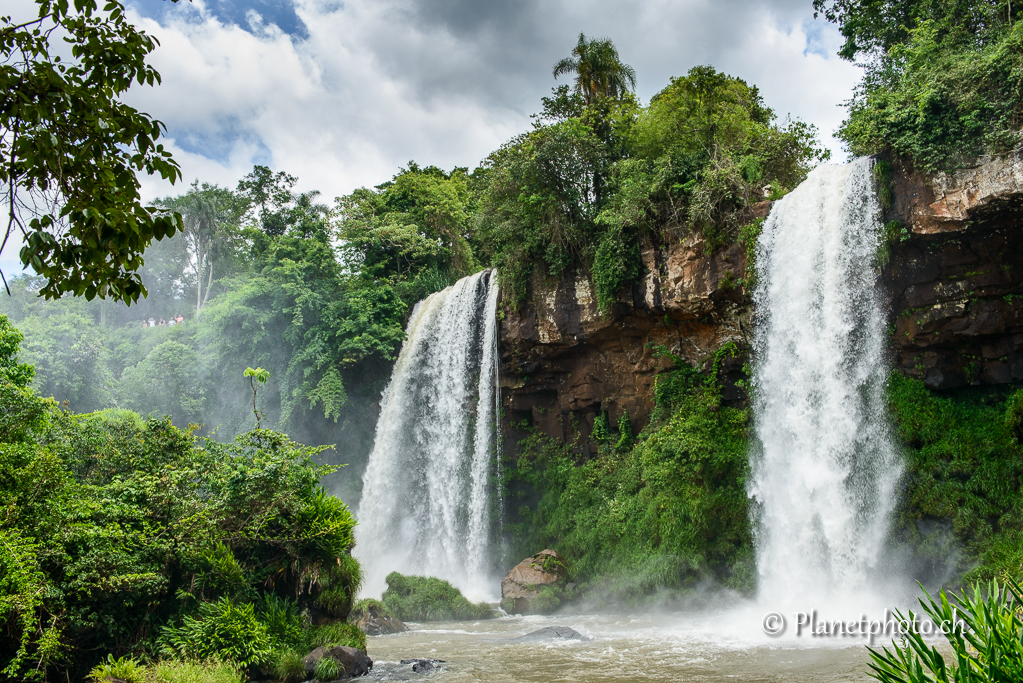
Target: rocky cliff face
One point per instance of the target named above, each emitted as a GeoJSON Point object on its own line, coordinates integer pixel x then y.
{"type": "Point", "coordinates": [956, 281]}
{"type": "Point", "coordinates": [954, 284]}
{"type": "Point", "coordinates": [563, 362]}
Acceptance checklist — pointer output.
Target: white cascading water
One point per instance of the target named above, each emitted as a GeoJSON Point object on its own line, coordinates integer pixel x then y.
{"type": "Point", "coordinates": [426, 496]}
{"type": "Point", "coordinates": [825, 469]}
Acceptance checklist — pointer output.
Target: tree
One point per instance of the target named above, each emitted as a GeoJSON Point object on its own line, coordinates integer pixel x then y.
{"type": "Point", "coordinates": [873, 27]}
{"type": "Point", "coordinates": [271, 192]}
{"type": "Point", "coordinates": [70, 149]}
{"type": "Point", "coordinates": [11, 371]}
{"type": "Point", "coordinates": [211, 215]}
{"type": "Point", "coordinates": [598, 68]}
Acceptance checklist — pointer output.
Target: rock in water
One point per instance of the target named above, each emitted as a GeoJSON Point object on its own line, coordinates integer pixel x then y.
{"type": "Point", "coordinates": [421, 666]}
{"type": "Point", "coordinates": [552, 633]}
{"type": "Point", "coordinates": [355, 662]}
{"type": "Point", "coordinates": [375, 623]}
{"type": "Point", "coordinates": [523, 583]}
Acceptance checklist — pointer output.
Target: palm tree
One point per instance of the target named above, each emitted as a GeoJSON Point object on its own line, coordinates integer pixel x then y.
{"type": "Point", "coordinates": [598, 68]}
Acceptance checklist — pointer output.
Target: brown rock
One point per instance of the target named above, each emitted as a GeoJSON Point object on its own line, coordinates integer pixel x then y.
{"type": "Point", "coordinates": [354, 662]}
{"type": "Point", "coordinates": [375, 623]}
{"type": "Point", "coordinates": [564, 362]}
{"type": "Point", "coordinates": [523, 583]}
{"type": "Point", "coordinates": [954, 285]}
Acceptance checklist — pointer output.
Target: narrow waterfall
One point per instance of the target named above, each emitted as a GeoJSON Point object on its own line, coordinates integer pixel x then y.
{"type": "Point", "coordinates": [426, 498]}
{"type": "Point", "coordinates": [825, 468]}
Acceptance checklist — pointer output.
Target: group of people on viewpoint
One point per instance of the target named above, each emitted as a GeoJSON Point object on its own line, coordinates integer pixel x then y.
{"type": "Point", "coordinates": [174, 320]}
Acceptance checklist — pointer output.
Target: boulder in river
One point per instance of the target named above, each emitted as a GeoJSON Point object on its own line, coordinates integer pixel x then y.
{"type": "Point", "coordinates": [551, 633]}
{"type": "Point", "coordinates": [422, 666]}
{"type": "Point", "coordinates": [355, 662]}
{"type": "Point", "coordinates": [523, 583]}
{"type": "Point", "coordinates": [375, 622]}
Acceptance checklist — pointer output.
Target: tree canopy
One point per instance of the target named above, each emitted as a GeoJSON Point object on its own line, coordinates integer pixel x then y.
{"type": "Point", "coordinates": [874, 27]}
{"type": "Point", "coordinates": [943, 79]}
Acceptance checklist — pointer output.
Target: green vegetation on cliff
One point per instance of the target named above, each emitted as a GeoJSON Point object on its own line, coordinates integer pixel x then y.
{"type": "Point", "coordinates": [961, 512]}
{"type": "Point", "coordinates": [595, 177]}
{"type": "Point", "coordinates": [670, 511]}
{"type": "Point", "coordinates": [658, 516]}
{"type": "Point", "coordinates": [943, 81]}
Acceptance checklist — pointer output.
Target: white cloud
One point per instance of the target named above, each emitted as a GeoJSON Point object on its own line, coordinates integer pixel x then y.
{"type": "Point", "coordinates": [375, 83]}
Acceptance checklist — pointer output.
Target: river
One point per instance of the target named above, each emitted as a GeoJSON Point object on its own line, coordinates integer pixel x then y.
{"type": "Point", "coordinates": [653, 647]}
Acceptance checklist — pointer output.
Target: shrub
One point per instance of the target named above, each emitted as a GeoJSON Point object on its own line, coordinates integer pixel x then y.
{"type": "Point", "coordinates": [547, 600]}
{"type": "Point", "coordinates": [366, 604]}
{"type": "Point", "coordinates": [222, 630]}
{"type": "Point", "coordinates": [425, 598]}
{"type": "Point", "coordinates": [125, 668]}
{"type": "Point", "coordinates": [288, 666]}
{"type": "Point", "coordinates": [340, 585]}
{"type": "Point", "coordinates": [988, 649]}
{"type": "Point", "coordinates": [177, 671]}
{"type": "Point", "coordinates": [328, 669]}
{"type": "Point", "coordinates": [283, 619]}
{"type": "Point", "coordinates": [340, 633]}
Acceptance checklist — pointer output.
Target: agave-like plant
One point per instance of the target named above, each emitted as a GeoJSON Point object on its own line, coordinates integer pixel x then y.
{"type": "Point", "coordinates": [988, 645]}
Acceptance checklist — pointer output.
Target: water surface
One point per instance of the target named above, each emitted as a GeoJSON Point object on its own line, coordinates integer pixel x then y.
{"type": "Point", "coordinates": [704, 647]}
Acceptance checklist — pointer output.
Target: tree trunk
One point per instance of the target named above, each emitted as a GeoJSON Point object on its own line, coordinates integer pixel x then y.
{"type": "Point", "coordinates": [198, 278]}
{"type": "Point", "coordinates": [209, 281]}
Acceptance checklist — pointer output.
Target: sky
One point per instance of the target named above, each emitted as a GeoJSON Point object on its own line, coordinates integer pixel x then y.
{"type": "Point", "coordinates": [343, 94]}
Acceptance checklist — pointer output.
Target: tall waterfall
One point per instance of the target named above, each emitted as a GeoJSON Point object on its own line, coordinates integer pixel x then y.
{"type": "Point", "coordinates": [426, 498]}
{"type": "Point", "coordinates": [825, 474]}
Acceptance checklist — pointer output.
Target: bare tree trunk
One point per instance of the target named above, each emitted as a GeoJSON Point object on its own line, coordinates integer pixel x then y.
{"type": "Point", "coordinates": [198, 278]}
{"type": "Point", "coordinates": [209, 281]}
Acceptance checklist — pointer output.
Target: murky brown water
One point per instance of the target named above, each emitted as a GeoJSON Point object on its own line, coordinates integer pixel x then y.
{"type": "Point", "coordinates": [707, 647]}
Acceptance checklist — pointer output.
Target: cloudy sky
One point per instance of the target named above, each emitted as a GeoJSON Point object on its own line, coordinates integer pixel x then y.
{"type": "Point", "coordinates": [342, 94]}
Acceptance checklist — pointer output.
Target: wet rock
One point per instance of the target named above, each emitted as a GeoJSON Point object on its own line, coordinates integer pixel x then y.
{"type": "Point", "coordinates": [353, 661]}
{"type": "Point", "coordinates": [375, 623]}
{"type": "Point", "coordinates": [522, 584]}
{"type": "Point", "coordinates": [551, 633]}
{"type": "Point", "coordinates": [955, 276]}
{"type": "Point", "coordinates": [422, 666]}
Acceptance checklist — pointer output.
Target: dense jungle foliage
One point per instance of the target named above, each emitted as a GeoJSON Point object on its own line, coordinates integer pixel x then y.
{"type": "Point", "coordinates": [649, 518]}
{"type": "Point", "coordinates": [593, 180]}
{"type": "Point", "coordinates": [129, 536]}
{"type": "Point", "coordinates": [943, 80]}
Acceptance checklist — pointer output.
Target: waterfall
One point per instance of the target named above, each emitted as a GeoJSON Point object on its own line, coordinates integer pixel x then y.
{"type": "Point", "coordinates": [426, 497]}
{"type": "Point", "coordinates": [825, 467]}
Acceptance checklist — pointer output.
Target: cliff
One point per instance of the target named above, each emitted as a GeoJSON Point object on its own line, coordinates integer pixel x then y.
{"type": "Point", "coordinates": [563, 362]}
{"type": "Point", "coordinates": [956, 280]}
{"type": "Point", "coordinates": [954, 285]}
